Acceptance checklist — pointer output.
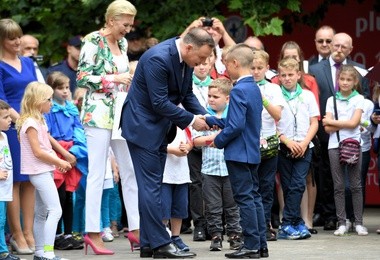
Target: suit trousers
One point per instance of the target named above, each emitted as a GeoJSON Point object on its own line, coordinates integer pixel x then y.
{"type": "Point", "coordinates": [245, 187]}
{"type": "Point", "coordinates": [267, 173]}
{"type": "Point", "coordinates": [149, 169]}
{"type": "Point", "coordinates": [98, 143]}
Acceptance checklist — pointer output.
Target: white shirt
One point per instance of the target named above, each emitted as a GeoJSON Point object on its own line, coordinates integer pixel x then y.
{"type": "Point", "coordinates": [366, 132]}
{"type": "Point", "coordinates": [177, 168]}
{"type": "Point", "coordinates": [296, 114]}
{"type": "Point", "coordinates": [345, 109]}
{"type": "Point", "coordinates": [273, 94]}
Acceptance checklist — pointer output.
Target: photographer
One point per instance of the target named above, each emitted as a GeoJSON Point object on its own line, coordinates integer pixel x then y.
{"type": "Point", "coordinates": [216, 29]}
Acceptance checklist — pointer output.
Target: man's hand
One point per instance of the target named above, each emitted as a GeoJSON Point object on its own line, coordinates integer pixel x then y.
{"type": "Point", "coordinates": [200, 123]}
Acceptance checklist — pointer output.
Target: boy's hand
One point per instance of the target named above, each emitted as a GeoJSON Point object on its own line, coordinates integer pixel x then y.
{"type": "Point", "coordinates": [3, 174]}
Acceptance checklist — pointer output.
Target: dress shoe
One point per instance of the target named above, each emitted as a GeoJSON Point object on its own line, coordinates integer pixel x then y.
{"type": "Point", "coordinates": [330, 225]}
{"type": "Point", "coordinates": [199, 234]}
{"type": "Point", "coordinates": [146, 252]}
{"type": "Point", "coordinates": [171, 251]}
{"type": "Point", "coordinates": [318, 220]}
{"type": "Point", "coordinates": [244, 253]}
{"type": "Point", "coordinates": [264, 252]}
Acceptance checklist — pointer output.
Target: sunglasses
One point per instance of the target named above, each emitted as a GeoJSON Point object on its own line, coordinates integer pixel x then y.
{"type": "Point", "coordinates": [328, 41]}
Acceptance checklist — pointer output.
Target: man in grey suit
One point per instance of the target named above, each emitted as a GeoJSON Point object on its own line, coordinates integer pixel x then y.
{"type": "Point", "coordinates": [325, 72]}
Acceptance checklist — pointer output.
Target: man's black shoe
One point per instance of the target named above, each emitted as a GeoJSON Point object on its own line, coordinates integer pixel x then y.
{"type": "Point", "coordinates": [199, 234]}
{"type": "Point", "coordinates": [171, 251]}
{"type": "Point", "coordinates": [146, 252]}
{"type": "Point", "coordinates": [244, 253]}
{"type": "Point", "coordinates": [330, 225]}
{"type": "Point", "coordinates": [318, 220]}
{"type": "Point", "coordinates": [264, 252]}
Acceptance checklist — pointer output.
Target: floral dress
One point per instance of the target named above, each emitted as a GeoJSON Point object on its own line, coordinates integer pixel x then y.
{"type": "Point", "coordinates": [96, 70]}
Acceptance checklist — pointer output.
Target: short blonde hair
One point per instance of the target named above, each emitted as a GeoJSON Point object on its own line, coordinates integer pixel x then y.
{"type": "Point", "coordinates": [224, 85]}
{"type": "Point", "coordinates": [242, 53]}
{"type": "Point", "coordinates": [260, 54]}
{"type": "Point", "coordinates": [57, 79]}
{"type": "Point", "coordinates": [118, 8]}
{"type": "Point", "coordinates": [288, 63]}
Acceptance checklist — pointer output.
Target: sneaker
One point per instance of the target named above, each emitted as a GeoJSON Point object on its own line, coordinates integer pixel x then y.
{"type": "Point", "coordinates": [107, 235]}
{"type": "Point", "coordinates": [7, 256]}
{"type": "Point", "coordinates": [76, 244]}
{"type": "Point", "coordinates": [61, 243]}
{"type": "Point", "coordinates": [288, 232]}
{"type": "Point", "coordinates": [180, 244]}
{"type": "Point", "coordinates": [216, 243]}
{"type": "Point", "coordinates": [199, 234]}
{"type": "Point", "coordinates": [361, 230]}
{"type": "Point", "coordinates": [349, 226]}
{"type": "Point", "coordinates": [304, 231]}
{"type": "Point", "coordinates": [340, 231]}
{"type": "Point", "coordinates": [235, 242]}
{"type": "Point", "coordinates": [78, 237]}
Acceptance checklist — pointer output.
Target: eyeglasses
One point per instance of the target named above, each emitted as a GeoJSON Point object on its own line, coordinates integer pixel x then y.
{"type": "Point", "coordinates": [342, 47]}
{"type": "Point", "coordinates": [321, 41]}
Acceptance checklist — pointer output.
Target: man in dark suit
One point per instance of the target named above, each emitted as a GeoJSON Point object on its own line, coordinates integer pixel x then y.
{"type": "Point", "coordinates": [240, 139]}
{"type": "Point", "coordinates": [323, 39]}
{"type": "Point", "coordinates": [325, 74]}
{"type": "Point", "coordinates": [163, 79]}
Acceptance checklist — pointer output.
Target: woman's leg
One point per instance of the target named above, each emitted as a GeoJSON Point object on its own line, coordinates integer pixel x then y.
{"type": "Point", "coordinates": [14, 221]}
{"type": "Point", "coordinates": [98, 142]}
{"type": "Point", "coordinates": [27, 208]}
{"type": "Point", "coordinates": [128, 184]}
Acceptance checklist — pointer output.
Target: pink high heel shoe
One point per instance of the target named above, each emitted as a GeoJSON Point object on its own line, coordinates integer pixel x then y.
{"type": "Point", "coordinates": [134, 241]}
{"type": "Point", "coordinates": [97, 251]}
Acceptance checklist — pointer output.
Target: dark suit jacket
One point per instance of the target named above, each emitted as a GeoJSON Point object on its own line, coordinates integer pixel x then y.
{"type": "Point", "coordinates": [322, 73]}
{"type": "Point", "coordinates": [240, 137]}
{"type": "Point", "coordinates": [156, 90]}
{"type": "Point", "coordinates": [313, 60]}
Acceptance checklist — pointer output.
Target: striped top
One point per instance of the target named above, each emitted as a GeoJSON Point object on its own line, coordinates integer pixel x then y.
{"type": "Point", "coordinates": [29, 163]}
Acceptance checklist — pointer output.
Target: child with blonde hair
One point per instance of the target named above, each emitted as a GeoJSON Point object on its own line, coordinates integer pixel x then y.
{"type": "Point", "coordinates": [38, 160]}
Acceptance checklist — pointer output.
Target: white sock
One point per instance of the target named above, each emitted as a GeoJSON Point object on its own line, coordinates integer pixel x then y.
{"type": "Point", "coordinates": [49, 254]}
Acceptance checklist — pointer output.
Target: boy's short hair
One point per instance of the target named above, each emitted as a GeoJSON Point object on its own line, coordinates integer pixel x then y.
{"type": "Point", "coordinates": [242, 53]}
{"type": "Point", "coordinates": [4, 105]}
{"type": "Point", "coordinates": [288, 63]}
{"type": "Point", "coordinates": [222, 84]}
{"type": "Point", "coordinates": [261, 54]}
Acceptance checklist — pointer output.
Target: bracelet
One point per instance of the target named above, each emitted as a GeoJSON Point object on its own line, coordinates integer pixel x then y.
{"type": "Point", "coordinates": [279, 136]}
{"type": "Point", "coordinates": [286, 141]}
{"type": "Point", "coordinates": [265, 103]}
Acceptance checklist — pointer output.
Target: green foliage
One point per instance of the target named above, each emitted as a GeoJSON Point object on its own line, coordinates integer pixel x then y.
{"type": "Point", "coordinates": [53, 22]}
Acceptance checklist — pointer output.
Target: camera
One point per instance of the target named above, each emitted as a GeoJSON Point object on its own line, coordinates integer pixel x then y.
{"type": "Point", "coordinates": [207, 22]}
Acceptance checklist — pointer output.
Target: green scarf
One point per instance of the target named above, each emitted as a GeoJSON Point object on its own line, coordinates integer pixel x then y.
{"type": "Point", "coordinates": [261, 82]}
{"type": "Point", "coordinates": [291, 95]}
{"type": "Point", "coordinates": [202, 83]}
{"type": "Point", "coordinates": [339, 96]}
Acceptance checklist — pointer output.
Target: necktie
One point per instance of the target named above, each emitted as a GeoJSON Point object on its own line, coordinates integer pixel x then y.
{"type": "Point", "coordinates": [183, 69]}
{"type": "Point", "coordinates": [337, 67]}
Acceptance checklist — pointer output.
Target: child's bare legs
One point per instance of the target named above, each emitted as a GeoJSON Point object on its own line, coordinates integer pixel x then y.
{"type": "Point", "coordinates": [175, 226]}
{"type": "Point", "coordinates": [23, 194]}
